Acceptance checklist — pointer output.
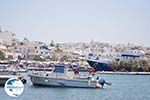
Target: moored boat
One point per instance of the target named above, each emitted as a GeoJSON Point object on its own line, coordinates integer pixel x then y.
{"type": "Point", "coordinates": [60, 76]}
{"type": "Point", "coordinates": [4, 78]}
{"type": "Point", "coordinates": [6, 73]}
{"type": "Point", "coordinates": [100, 65]}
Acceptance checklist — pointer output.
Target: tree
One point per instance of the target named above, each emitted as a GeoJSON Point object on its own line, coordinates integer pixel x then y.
{"type": "Point", "coordinates": [134, 66]}
{"type": "Point", "coordinates": [145, 65]}
{"type": "Point", "coordinates": [64, 58]}
{"type": "Point", "coordinates": [114, 65]}
{"type": "Point", "coordinates": [2, 55]}
{"type": "Point", "coordinates": [54, 57]}
{"type": "Point", "coordinates": [38, 58]}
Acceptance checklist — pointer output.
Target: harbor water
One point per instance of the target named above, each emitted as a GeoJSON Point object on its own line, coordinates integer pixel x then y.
{"type": "Point", "coordinates": [124, 87]}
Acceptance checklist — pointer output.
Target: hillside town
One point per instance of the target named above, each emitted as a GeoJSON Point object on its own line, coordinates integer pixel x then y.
{"type": "Point", "coordinates": [12, 48]}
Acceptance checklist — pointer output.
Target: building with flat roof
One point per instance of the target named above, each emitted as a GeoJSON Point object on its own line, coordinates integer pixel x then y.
{"type": "Point", "coordinates": [7, 37]}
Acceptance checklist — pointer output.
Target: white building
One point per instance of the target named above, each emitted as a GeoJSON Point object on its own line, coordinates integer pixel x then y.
{"type": "Point", "coordinates": [37, 48]}
{"type": "Point", "coordinates": [7, 37]}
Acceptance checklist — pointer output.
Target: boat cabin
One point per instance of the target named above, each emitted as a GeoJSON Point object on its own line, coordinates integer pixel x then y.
{"type": "Point", "coordinates": [62, 72]}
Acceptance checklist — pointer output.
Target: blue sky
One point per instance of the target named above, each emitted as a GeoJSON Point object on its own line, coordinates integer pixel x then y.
{"type": "Point", "coordinates": [112, 21]}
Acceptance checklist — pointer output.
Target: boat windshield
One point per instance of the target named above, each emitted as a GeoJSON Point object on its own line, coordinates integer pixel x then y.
{"type": "Point", "coordinates": [59, 69]}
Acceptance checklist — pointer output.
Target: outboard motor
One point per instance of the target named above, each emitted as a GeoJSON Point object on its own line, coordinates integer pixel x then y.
{"type": "Point", "coordinates": [102, 82]}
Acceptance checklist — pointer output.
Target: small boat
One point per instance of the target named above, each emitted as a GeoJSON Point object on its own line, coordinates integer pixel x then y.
{"type": "Point", "coordinates": [6, 73]}
{"type": "Point", "coordinates": [61, 76]}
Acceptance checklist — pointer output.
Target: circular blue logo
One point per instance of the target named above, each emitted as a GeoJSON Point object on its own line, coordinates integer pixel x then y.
{"type": "Point", "coordinates": [14, 87]}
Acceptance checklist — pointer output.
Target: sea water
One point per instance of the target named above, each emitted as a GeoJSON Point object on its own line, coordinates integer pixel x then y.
{"type": "Point", "coordinates": [124, 87]}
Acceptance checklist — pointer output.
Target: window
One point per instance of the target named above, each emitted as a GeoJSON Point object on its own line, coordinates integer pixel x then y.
{"type": "Point", "coordinates": [35, 47]}
{"type": "Point", "coordinates": [59, 70]}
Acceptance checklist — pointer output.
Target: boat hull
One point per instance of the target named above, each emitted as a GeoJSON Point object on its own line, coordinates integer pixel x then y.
{"type": "Point", "coordinates": [54, 82]}
{"type": "Point", "coordinates": [99, 66]}
{"type": "Point", "coordinates": [3, 79]}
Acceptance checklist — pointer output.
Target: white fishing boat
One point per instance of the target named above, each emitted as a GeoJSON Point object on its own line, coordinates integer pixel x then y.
{"type": "Point", "coordinates": [60, 76]}
{"type": "Point", "coordinates": [6, 73]}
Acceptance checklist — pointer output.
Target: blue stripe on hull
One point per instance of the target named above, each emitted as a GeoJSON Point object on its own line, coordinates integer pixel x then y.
{"type": "Point", "coordinates": [56, 86]}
